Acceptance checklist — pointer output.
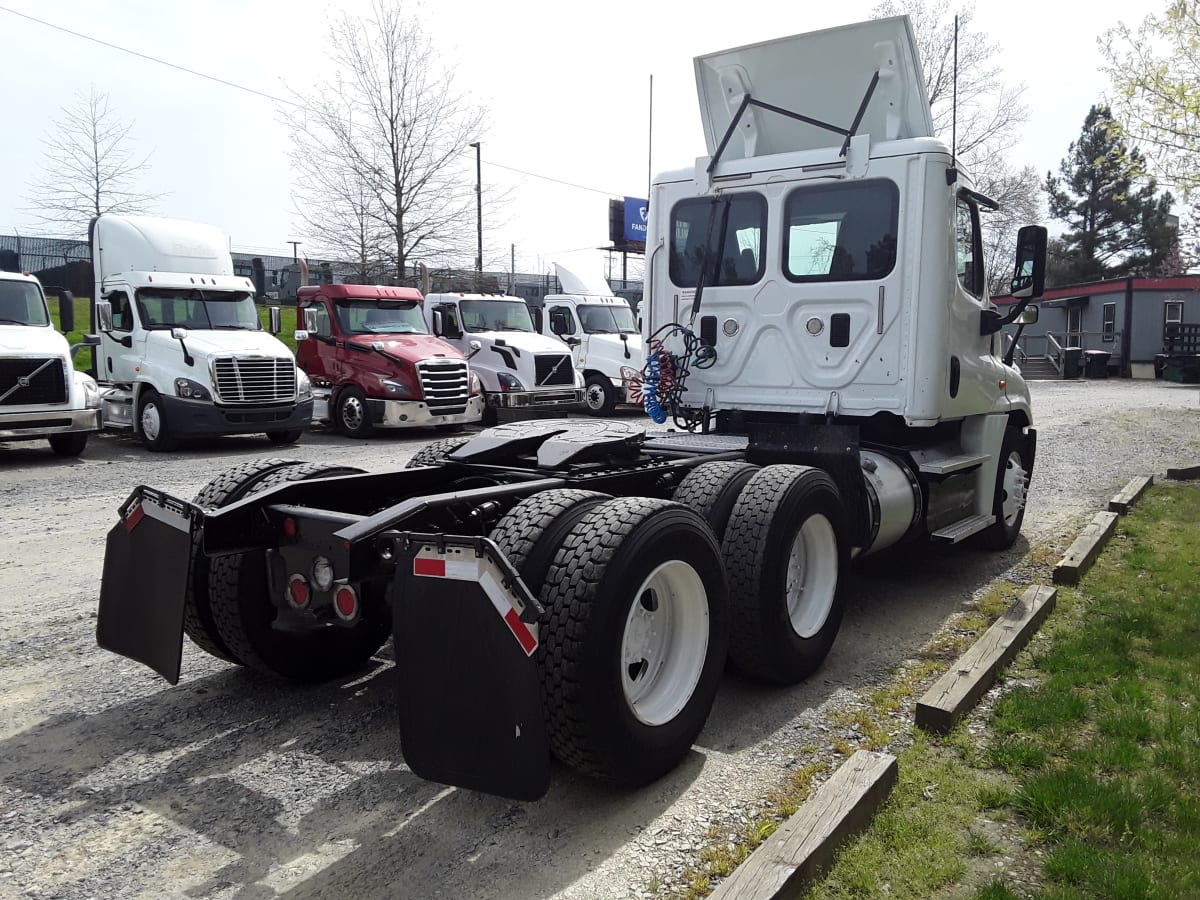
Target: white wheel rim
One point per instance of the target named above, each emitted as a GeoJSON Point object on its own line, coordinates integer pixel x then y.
{"type": "Point", "coordinates": [665, 643]}
{"type": "Point", "coordinates": [595, 397]}
{"type": "Point", "coordinates": [352, 413]}
{"type": "Point", "coordinates": [151, 421]}
{"type": "Point", "coordinates": [1016, 481]}
{"type": "Point", "coordinates": [812, 574]}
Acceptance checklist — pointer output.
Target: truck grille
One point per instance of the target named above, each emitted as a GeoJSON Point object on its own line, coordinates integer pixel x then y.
{"type": "Point", "coordinates": [544, 364]}
{"type": "Point", "coordinates": [49, 385]}
{"type": "Point", "coordinates": [446, 385]}
{"type": "Point", "coordinates": [254, 379]}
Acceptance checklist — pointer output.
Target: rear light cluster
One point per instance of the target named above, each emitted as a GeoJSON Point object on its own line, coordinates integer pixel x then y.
{"type": "Point", "coordinates": [345, 598]}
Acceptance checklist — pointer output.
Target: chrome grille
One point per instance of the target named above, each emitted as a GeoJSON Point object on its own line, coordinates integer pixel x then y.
{"type": "Point", "coordinates": [254, 379]}
{"type": "Point", "coordinates": [38, 380]}
{"type": "Point", "coordinates": [553, 368]}
{"type": "Point", "coordinates": [446, 385]}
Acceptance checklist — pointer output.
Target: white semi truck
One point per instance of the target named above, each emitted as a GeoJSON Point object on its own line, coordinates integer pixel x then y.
{"type": "Point", "coordinates": [519, 368]}
{"type": "Point", "coordinates": [818, 328]}
{"type": "Point", "coordinates": [182, 349]}
{"type": "Point", "coordinates": [41, 393]}
{"type": "Point", "coordinates": [600, 329]}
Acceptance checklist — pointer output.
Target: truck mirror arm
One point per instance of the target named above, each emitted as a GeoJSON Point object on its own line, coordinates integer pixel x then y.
{"type": "Point", "coordinates": [991, 321]}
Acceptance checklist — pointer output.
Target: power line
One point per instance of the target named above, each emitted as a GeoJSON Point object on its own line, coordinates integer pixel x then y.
{"type": "Point", "coordinates": [555, 180]}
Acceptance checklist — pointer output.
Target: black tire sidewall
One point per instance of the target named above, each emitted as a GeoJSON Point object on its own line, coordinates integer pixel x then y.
{"type": "Point", "coordinates": [1001, 536]}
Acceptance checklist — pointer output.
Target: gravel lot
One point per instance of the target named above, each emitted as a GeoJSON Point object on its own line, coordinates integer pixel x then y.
{"type": "Point", "coordinates": [114, 784]}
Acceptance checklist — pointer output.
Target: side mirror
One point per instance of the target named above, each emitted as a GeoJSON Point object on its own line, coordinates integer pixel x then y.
{"type": "Point", "coordinates": [475, 348]}
{"type": "Point", "coordinates": [573, 342]}
{"type": "Point", "coordinates": [104, 316]}
{"type": "Point", "coordinates": [179, 334]}
{"type": "Point", "coordinates": [1029, 276]}
{"type": "Point", "coordinates": [66, 311]}
{"type": "Point", "coordinates": [438, 322]}
{"type": "Point", "coordinates": [300, 335]}
{"type": "Point", "coordinates": [1028, 316]}
{"type": "Point", "coordinates": [275, 317]}
{"type": "Point", "coordinates": [310, 318]}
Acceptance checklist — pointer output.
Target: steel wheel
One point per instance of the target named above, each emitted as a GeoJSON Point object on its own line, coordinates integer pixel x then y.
{"type": "Point", "coordinates": [151, 421]}
{"type": "Point", "coordinates": [812, 575]}
{"type": "Point", "coordinates": [1015, 481]}
{"type": "Point", "coordinates": [665, 642]}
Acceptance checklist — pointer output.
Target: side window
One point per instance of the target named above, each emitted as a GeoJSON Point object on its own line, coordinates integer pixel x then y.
{"type": "Point", "coordinates": [122, 311]}
{"type": "Point", "coordinates": [968, 246]}
{"type": "Point", "coordinates": [722, 236]}
{"type": "Point", "coordinates": [561, 320]}
{"type": "Point", "coordinates": [841, 232]}
{"type": "Point", "coordinates": [450, 320]}
{"type": "Point", "coordinates": [1109, 332]}
{"type": "Point", "coordinates": [1173, 312]}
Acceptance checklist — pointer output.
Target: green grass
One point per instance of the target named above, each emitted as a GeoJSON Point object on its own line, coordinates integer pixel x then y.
{"type": "Point", "coordinates": [83, 305]}
{"type": "Point", "coordinates": [1093, 760]}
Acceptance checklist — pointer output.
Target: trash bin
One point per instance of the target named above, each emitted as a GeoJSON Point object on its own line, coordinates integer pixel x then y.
{"type": "Point", "coordinates": [1071, 367]}
{"type": "Point", "coordinates": [1095, 363]}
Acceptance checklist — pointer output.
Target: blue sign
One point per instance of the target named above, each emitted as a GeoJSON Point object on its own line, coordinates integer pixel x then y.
{"type": "Point", "coordinates": [635, 219]}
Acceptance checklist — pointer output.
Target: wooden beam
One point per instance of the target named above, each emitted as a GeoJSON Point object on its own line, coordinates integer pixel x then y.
{"type": "Point", "coordinates": [804, 845]}
{"type": "Point", "coordinates": [1083, 552]}
{"type": "Point", "coordinates": [956, 692]}
{"type": "Point", "coordinates": [1184, 473]}
{"type": "Point", "coordinates": [1130, 494]}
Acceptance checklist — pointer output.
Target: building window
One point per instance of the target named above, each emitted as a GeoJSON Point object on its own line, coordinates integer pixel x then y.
{"type": "Point", "coordinates": [1109, 331]}
{"type": "Point", "coordinates": [1173, 312]}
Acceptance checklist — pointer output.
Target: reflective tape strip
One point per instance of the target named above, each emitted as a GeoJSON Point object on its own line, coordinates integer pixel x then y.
{"type": "Point", "coordinates": [134, 517]}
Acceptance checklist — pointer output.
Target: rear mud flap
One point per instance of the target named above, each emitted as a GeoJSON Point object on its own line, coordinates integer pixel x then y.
{"type": "Point", "coordinates": [146, 561]}
{"type": "Point", "coordinates": [470, 700]}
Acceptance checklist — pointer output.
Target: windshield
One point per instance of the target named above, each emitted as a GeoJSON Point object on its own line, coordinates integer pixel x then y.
{"type": "Point", "coordinates": [198, 310]}
{"type": "Point", "coordinates": [597, 319]}
{"type": "Point", "coordinates": [380, 317]}
{"type": "Point", "coordinates": [21, 303]}
{"type": "Point", "coordinates": [495, 315]}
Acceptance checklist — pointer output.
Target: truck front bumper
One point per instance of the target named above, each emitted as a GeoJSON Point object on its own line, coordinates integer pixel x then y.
{"type": "Point", "coordinates": [188, 418]}
{"type": "Point", "coordinates": [536, 399]}
{"type": "Point", "coordinates": [415, 413]}
{"type": "Point", "coordinates": [28, 426]}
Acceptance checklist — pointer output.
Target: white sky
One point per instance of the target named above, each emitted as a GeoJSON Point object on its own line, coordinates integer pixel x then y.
{"type": "Point", "coordinates": [566, 88]}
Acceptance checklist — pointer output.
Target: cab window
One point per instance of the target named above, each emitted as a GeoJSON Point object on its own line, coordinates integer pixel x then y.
{"type": "Point", "coordinates": [841, 232]}
{"type": "Point", "coordinates": [561, 320]}
{"type": "Point", "coordinates": [968, 246]}
{"type": "Point", "coordinates": [719, 237]}
{"type": "Point", "coordinates": [122, 311]}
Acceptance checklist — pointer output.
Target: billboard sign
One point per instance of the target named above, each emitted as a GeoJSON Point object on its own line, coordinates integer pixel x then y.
{"type": "Point", "coordinates": [635, 219]}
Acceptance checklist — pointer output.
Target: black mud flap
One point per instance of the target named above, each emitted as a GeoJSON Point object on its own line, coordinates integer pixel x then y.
{"type": "Point", "coordinates": [470, 700]}
{"type": "Point", "coordinates": [146, 561]}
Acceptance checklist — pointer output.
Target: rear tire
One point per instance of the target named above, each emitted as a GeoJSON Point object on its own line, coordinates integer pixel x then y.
{"type": "Point", "coordinates": [435, 452]}
{"type": "Point", "coordinates": [711, 489]}
{"type": "Point", "coordinates": [244, 612]}
{"type": "Point", "coordinates": [1011, 494]}
{"type": "Point", "coordinates": [531, 532]}
{"type": "Point", "coordinates": [784, 552]}
{"type": "Point", "coordinates": [226, 488]}
{"type": "Point", "coordinates": [600, 396]}
{"type": "Point", "coordinates": [634, 638]}
{"type": "Point", "coordinates": [68, 444]}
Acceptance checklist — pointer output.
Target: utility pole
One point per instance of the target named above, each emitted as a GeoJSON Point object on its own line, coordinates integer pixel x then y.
{"type": "Point", "coordinates": [478, 217]}
{"type": "Point", "coordinates": [295, 244]}
{"type": "Point", "coordinates": [512, 267]}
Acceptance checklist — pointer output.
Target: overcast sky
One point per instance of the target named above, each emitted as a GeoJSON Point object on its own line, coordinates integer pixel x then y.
{"type": "Point", "coordinates": [566, 88]}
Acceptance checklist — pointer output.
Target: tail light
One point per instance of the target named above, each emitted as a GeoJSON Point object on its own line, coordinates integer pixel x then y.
{"type": "Point", "coordinates": [298, 592]}
{"type": "Point", "coordinates": [345, 603]}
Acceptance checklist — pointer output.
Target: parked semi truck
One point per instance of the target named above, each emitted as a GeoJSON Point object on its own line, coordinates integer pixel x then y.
{"type": "Point", "coordinates": [42, 396]}
{"type": "Point", "coordinates": [605, 342]}
{"type": "Point", "coordinates": [374, 364]}
{"type": "Point", "coordinates": [818, 328]}
{"type": "Point", "coordinates": [519, 368]}
{"type": "Point", "coordinates": [182, 349]}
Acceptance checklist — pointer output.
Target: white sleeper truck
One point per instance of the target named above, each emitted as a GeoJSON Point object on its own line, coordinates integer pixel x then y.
{"type": "Point", "coordinates": [519, 368]}
{"type": "Point", "coordinates": [41, 394]}
{"type": "Point", "coordinates": [603, 335]}
{"type": "Point", "coordinates": [182, 349]}
{"type": "Point", "coordinates": [819, 332]}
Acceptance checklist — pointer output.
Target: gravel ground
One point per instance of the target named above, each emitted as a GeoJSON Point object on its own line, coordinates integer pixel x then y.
{"type": "Point", "coordinates": [114, 784]}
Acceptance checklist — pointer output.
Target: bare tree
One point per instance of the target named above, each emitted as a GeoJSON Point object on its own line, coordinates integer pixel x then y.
{"type": "Point", "coordinates": [989, 119]}
{"type": "Point", "coordinates": [380, 148]}
{"type": "Point", "coordinates": [90, 167]}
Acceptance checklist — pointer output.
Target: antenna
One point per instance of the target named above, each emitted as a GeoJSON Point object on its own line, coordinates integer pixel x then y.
{"type": "Point", "coordinates": [952, 172]}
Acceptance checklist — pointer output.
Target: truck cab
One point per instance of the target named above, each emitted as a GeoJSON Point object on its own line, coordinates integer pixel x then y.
{"type": "Point", "coordinates": [374, 363]}
{"type": "Point", "coordinates": [519, 368]}
{"type": "Point", "coordinates": [603, 335]}
{"type": "Point", "coordinates": [183, 352]}
{"type": "Point", "coordinates": [41, 394]}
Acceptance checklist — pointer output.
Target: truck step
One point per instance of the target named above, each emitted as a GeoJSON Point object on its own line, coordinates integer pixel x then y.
{"type": "Point", "coordinates": [963, 529]}
{"type": "Point", "coordinates": [698, 443]}
{"type": "Point", "coordinates": [947, 465]}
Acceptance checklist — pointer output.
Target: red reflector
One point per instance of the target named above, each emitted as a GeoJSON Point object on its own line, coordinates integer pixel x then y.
{"type": "Point", "coordinates": [521, 631]}
{"type": "Point", "coordinates": [298, 591]}
{"type": "Point", "coordinates": [434, 567]}
{"type": "Point", "coordinates": [290, 528]}
{"type": "Point", "coordinates": [134, 517]}
{"type": "Point", "coordinates": [345, 602]}
{"type": "Point", "coordinates": [1002, 384]}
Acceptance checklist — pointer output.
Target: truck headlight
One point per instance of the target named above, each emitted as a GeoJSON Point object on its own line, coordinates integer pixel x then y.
{"type": "Point", "coordinates": [476, 386]}
{"type": "Point", "coordinates": [191, 390]}
{"type": "Point", "coordinates": [303, 385]}
{"type": "Point", "coordinates": [629, 373]}
{"type": "Point", "coordinates": [91, 393]}
{"type": "Point", "coordinates": [509, 382]}
{"type": "Point", "coordinates": [395, 388]}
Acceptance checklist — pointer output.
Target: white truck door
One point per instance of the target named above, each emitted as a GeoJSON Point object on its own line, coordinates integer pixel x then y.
{"type": "Point", "coordinates": [562, 324]}
{"type": "Point", "coordinates": [122, 348]}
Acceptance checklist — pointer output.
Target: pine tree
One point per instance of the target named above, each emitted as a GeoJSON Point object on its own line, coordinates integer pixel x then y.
{"type": "Point", "coordinates": [1115, 224]}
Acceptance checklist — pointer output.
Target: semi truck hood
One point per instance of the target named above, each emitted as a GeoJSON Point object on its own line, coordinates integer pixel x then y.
{"type": "Point", "coordinates": [409, 347]}
{"type": "Point", "coordinates": [525, 341]}
{"type": "Point", "coordinates": [823, 75]}
{"type": "Point", "coordinates": [32, 340]}
{"type": "Point", "coordinates": [226, 343]}
{"type": "Point", "coordinates": [611, 347]}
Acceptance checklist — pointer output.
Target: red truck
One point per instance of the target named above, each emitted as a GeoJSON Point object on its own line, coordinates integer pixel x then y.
{"type": "Point", "coordinates": [374, 364]}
